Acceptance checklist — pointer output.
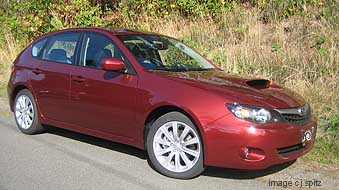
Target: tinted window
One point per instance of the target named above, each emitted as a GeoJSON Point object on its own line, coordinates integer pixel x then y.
{"type": "Point", "coordinates": [96, 48]}
{"type": "Point", "coordinates": [61, 48]}
{"type": "Point", "coordinates": [36, 49]}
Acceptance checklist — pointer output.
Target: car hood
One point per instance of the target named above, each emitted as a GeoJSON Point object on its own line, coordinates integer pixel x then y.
{"type": "Point", "coordinates": [250, 91]}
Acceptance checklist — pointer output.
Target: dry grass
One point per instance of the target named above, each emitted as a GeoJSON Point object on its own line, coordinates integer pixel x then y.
{"type": "Point", "coordinates": [300, 53]}
{"type": "Point", "coordinates": [285, 52]}
{"type": "Point", "coordinates": [8, 54]}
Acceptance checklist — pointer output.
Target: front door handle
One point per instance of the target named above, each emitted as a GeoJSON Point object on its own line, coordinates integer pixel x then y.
{"type": "Point", "coordinates": [37, 71]}
{"type": "Point", "coordinates": [78, 79]}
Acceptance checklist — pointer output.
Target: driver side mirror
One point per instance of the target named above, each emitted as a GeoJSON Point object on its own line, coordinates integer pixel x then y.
{"type": "Point", "coordinates": [112, 64]}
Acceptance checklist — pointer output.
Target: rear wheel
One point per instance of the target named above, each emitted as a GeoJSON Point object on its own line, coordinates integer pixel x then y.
{"type": "Point", "coordinates": [174, 146]}
{"type": "Point", "coordinates": [26, 113]}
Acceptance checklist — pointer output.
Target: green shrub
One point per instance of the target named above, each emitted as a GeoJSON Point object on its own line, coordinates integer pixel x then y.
{"type": "Point", "coordinates": [31, 18]}
{"type": "Point", "coordinates": [162, 8]}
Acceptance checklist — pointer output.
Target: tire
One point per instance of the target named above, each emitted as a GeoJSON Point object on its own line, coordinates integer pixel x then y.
{"type": "Point", "coordinates": [179, 156]}
{"type": "Point", "coordinates": [26, 113]}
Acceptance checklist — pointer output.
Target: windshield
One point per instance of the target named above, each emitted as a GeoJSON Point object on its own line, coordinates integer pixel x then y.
{"type": "Point", "coordinates": [155, 52]}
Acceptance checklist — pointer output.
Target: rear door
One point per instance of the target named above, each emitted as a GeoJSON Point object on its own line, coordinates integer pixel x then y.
{"type": "Point", "coordinates": [51, 81]}
{"type": "Point", "coordinates": [103, 100]}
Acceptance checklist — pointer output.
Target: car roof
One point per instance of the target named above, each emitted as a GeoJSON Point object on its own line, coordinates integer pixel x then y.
{"type": "Point", "coordinates": [116, 32]}
{"type": "Point", "coordinates": [119, 31]}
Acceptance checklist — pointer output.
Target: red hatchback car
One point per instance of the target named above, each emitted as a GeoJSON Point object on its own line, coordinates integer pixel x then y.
{"type": "Point", "coordinates": [156, 93]}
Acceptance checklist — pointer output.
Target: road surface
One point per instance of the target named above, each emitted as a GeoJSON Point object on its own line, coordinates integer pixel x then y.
{"type": "Point", "coordinates": [60, 159]}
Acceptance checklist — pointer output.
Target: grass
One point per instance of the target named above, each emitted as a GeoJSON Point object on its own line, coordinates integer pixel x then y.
{"type": "Point", "coordinates": [8, 53]}
{"type": "Point", "coordinates": [326, 150]}
{"type": "Point", "coordinates": [300, 53]}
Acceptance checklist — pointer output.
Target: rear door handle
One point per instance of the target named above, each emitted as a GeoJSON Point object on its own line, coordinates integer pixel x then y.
{"type": "Point", "coordinates": [78, 79]}
{"type": "Point", "coordinates": [37, 71]}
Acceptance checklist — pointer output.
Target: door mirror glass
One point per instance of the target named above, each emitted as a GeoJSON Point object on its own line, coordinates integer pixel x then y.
{"type": "Point", "coordinates": [112, 64]}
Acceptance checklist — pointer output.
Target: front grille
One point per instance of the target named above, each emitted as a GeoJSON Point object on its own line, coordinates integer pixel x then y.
{"type": "Point", "coordinates": [296, 116]}
{"type": "Point", "coordinates": [296, 119]}
{"type": "Point", "coordinates": [290, 149]}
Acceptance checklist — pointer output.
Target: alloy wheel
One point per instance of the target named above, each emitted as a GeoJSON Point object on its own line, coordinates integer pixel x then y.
{"type": "Point", "coordinates": [24, 111]}
{"type": "Point", "coordinates": [176, 146]}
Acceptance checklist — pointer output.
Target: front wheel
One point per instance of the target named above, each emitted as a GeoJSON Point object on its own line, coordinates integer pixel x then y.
{"type": "Point", "coordinates": [174, 146]}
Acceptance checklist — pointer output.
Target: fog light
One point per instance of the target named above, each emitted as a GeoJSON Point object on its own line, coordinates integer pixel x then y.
{"type": "Point", "coordinates": [253, 154]}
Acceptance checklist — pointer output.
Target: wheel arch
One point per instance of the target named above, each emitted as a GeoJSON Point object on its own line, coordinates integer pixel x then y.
{"type": "Point", "coordinates": [15, 91]}
{"type": "Point", "coordinates": [163, 109]}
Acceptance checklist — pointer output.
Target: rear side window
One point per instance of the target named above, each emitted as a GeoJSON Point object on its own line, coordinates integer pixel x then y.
{"type": "Point", "coordinates": [62, 48]}
{"type": "Point", "coordinates": [37, 47]}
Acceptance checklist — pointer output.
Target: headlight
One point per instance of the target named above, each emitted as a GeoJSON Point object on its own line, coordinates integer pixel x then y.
{"type": "Point", "coordinates": [254, 114]}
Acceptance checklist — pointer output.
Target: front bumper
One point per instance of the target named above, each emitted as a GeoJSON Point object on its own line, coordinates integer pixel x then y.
{"type": "Point", "coordinates": [227, 138]}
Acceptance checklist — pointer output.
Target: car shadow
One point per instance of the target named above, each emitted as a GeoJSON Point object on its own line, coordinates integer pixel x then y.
{"type": "Point", "coordinates": [126, 149]}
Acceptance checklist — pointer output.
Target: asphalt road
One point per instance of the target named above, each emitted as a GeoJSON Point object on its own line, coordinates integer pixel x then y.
{"type": "Point", "coordinates": [60, 159]}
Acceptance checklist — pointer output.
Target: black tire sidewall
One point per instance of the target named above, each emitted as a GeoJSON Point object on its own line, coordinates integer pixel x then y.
{"type": "Point", "coordinates": [36, 126]}
{"type": "Point", "coordinates": [197, 169]}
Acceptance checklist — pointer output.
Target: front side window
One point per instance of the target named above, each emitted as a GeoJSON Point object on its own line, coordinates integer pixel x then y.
{"type": "Point", "coordinates": [96, 48]}
{"type": "Point", "coordinates": [156, 52]}
{"type": "Point", "coordinates": [61, 48]}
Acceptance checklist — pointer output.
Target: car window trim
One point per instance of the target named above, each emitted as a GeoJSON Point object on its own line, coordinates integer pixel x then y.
{"type": "Point", "coordinates": [78, 49]}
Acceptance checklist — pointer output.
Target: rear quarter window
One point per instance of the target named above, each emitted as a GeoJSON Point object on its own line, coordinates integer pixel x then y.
{"type": "Point", "coordinates": [37, 47]}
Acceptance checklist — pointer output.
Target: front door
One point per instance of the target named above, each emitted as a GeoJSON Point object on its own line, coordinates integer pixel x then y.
{"type": "Point", "coordinates": [103, 100]}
